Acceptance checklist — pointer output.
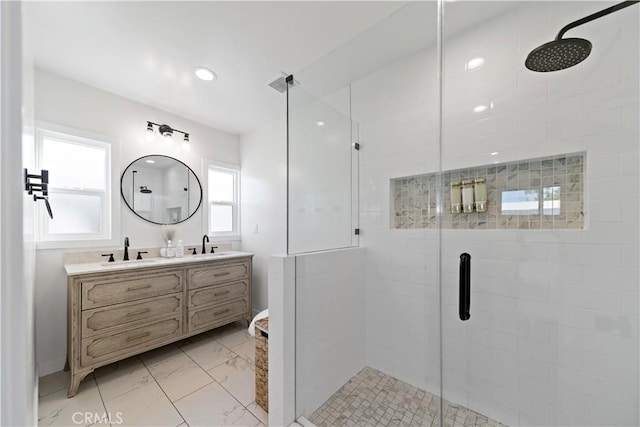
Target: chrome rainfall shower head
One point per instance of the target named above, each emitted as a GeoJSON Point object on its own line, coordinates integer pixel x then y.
{"type": "Point", "coordinates": [145, 190]}
{"type": "Point", "coordinates": [564, 53]}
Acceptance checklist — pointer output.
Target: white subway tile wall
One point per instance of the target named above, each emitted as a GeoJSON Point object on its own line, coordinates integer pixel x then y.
{"type": "Point", "coordinates": [330, 337]}
{"type": "Point", "coordinates": [553, 334]}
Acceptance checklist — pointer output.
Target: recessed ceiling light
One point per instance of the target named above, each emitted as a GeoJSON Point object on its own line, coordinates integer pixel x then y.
{"type": "Point", "coordinates": [479, 108]}
{"type": "Point", "coordinates": [205, 74]}
{"type": "Point", "coordinates": [475, 63]}
{"type": "Point", "coordinates": [320, 123]}
{"type": "Point", "coordinates": [150, 161]}
{"type": "Point", "coordinates": [495, 153]}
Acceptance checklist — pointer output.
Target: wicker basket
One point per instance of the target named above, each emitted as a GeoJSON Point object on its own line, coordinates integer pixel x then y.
{"type": "Point", "coordinates": [262, 363]}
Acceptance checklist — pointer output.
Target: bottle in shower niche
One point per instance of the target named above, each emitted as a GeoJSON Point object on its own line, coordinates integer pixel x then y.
{"type": "Point", "coordinates": [179, 249]}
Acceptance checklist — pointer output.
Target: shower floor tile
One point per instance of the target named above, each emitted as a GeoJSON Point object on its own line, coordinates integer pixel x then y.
{"type": "Point", "coordinates": [372, 398]}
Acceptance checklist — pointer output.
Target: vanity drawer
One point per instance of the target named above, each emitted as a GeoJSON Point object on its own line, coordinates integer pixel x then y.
{"type": "Point", "coordinates": [101, 291]}
{"type": "Point", "coordinates": [218, 294]}
{"type": "Point", "coordinates": [104, 319]}
{"type": "Point", "coordinates": [207, 276]}
{"type": "Point", "coordinates": [133, 341]}
{"type": "Point", "coordinates": [218, 315]}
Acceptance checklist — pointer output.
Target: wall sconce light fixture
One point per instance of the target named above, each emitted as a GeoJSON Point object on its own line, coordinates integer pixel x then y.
{"type": "Point", "coordinates": [167, 133]}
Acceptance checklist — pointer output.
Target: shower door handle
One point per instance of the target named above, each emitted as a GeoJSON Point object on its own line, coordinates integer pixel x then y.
{"type": "Point", "coordinates": [465, 287]}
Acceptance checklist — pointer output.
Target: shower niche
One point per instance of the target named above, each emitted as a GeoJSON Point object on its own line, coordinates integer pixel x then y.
{"type": "Point", "coordinates": [543, 193]}
{"type": "Point", "coordinates": [161, 189]}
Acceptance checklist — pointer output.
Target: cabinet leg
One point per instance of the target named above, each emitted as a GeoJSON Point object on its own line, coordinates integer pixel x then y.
{"type": "Point", "coordinates": [75, 383]}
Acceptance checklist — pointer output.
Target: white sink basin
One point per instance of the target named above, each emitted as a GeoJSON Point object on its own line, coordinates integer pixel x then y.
{"type": "Point", "coordinates": [217, 254]}
{"type": "Point", "coordinates": [132, 263]}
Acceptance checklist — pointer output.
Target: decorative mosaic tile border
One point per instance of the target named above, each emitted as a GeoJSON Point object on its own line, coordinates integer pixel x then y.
{"type": "Point", "coordinates": [545, 193]}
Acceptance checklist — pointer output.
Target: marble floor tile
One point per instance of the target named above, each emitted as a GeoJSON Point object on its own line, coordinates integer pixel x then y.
{"type": "Point", "coordinates": [140, 390]}
{"type": "Point", "coordinates": [121, 377]}
{"type": "Point", "coordinates": [144, 406]}
{"type": "Point", "coordinates": [207, 353]}
{"type": "Point", "coordinates": [246, 350]}
{"type": "Point", "coordinates": [53, 382]}
{"type": "Point", "coordinates": [161, 354]}
{"type": "Point", "coordinates": [258, 412]}
{"type": "Point", "coordinates": [236, 375]}
{"type": "Point", "coordinates": [212, 405]}
{"type": "Point", "coordinates": [55, 409]}
{"type": "Point", "coordinates": [178, 375]}
{"type": "Point", "coordinates": [232, 337]}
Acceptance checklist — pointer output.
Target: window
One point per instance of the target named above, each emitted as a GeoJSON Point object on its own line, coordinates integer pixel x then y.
{"type": "Point", "coordinates": [527, 202]}
{"type": "Point", "coordinates": [224, 187]}
{"type": "Point", "coordinates": [79, 187]}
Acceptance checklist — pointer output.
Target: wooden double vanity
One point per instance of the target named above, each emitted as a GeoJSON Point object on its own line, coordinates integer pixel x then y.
{"type": "Point", "coordinates": [117, 310]}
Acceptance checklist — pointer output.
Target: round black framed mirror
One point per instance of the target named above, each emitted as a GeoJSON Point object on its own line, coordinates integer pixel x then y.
{"type": "Point", "coordinates": [161, 189]}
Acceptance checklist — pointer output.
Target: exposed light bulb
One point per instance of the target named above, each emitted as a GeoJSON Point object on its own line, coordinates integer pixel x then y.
{"type": "Point", "coordinates": [479, 108]}
{"type": "Point", "coordinates": [150, 133]}
{"type": "Point", "coordinates": [320, 123]}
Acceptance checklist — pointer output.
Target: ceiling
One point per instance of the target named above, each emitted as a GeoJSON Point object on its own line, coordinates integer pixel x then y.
{"type": "Point", "coordinates": [147, 51]}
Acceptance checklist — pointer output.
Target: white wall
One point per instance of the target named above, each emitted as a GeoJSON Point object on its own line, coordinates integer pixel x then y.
{"type": "Point", "coordinates": [263, 201]}
{"type": "Point", "coordinates": [68, 103]}
{"type": "Point", "coordinates": [553, 334]}
{"type": "Point", "coordinates": [282, 349]}
{"type": "Point", "coordinates": [395, 109]}
{"type": "Point", "coordinates": [330, 324]}
{"type": "Point", "coordinates": [18, 380]}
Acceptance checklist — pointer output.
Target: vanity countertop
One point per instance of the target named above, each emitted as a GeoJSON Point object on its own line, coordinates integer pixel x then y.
{"type": "Point", "coordinates": [100, 267]}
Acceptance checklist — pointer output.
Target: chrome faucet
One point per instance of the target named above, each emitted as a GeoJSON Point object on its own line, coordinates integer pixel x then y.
{"type": "Point", "coordinates": [126, 249]}
{"type": "Point", "coordinates": [205, 237]}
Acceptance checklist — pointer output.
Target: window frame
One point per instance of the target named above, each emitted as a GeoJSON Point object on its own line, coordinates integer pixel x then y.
{"type": "Point", "coordinates": [45, 239]}
{"type": "Point", "coordinates": [234, 234]}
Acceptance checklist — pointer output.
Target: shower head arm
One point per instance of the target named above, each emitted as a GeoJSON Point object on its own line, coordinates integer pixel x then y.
{"type": "Point", "coordinates": [596, 15]}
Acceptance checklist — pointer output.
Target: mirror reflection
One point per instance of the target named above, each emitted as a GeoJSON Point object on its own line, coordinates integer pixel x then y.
{"type": "Point", "coordinates": [161, 189]}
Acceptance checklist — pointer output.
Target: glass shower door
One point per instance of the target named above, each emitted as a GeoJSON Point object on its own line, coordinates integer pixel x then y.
{"type": "Point", "coordinates": [552, 332]}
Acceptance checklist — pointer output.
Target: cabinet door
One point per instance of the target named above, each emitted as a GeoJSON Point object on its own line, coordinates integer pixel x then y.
{"type": "Point", "coordinates": [218, 294]}
{"type": "Point", "coordinates": [101, 291]}
{"type": "Point", "coordinates": [106, 319]}
{"type": "Point", "coordinates": [133, 341]}
{"type": "Point", "coordinates": [218, 315]}
{"type": "Point", "coordinates": [213, 275]}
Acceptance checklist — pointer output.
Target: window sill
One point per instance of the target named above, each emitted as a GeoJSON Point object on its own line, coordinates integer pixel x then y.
{"type": "Point", "coordinates": [75, 244]}
{"type": "Point", "coordinates": [225, 238]}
